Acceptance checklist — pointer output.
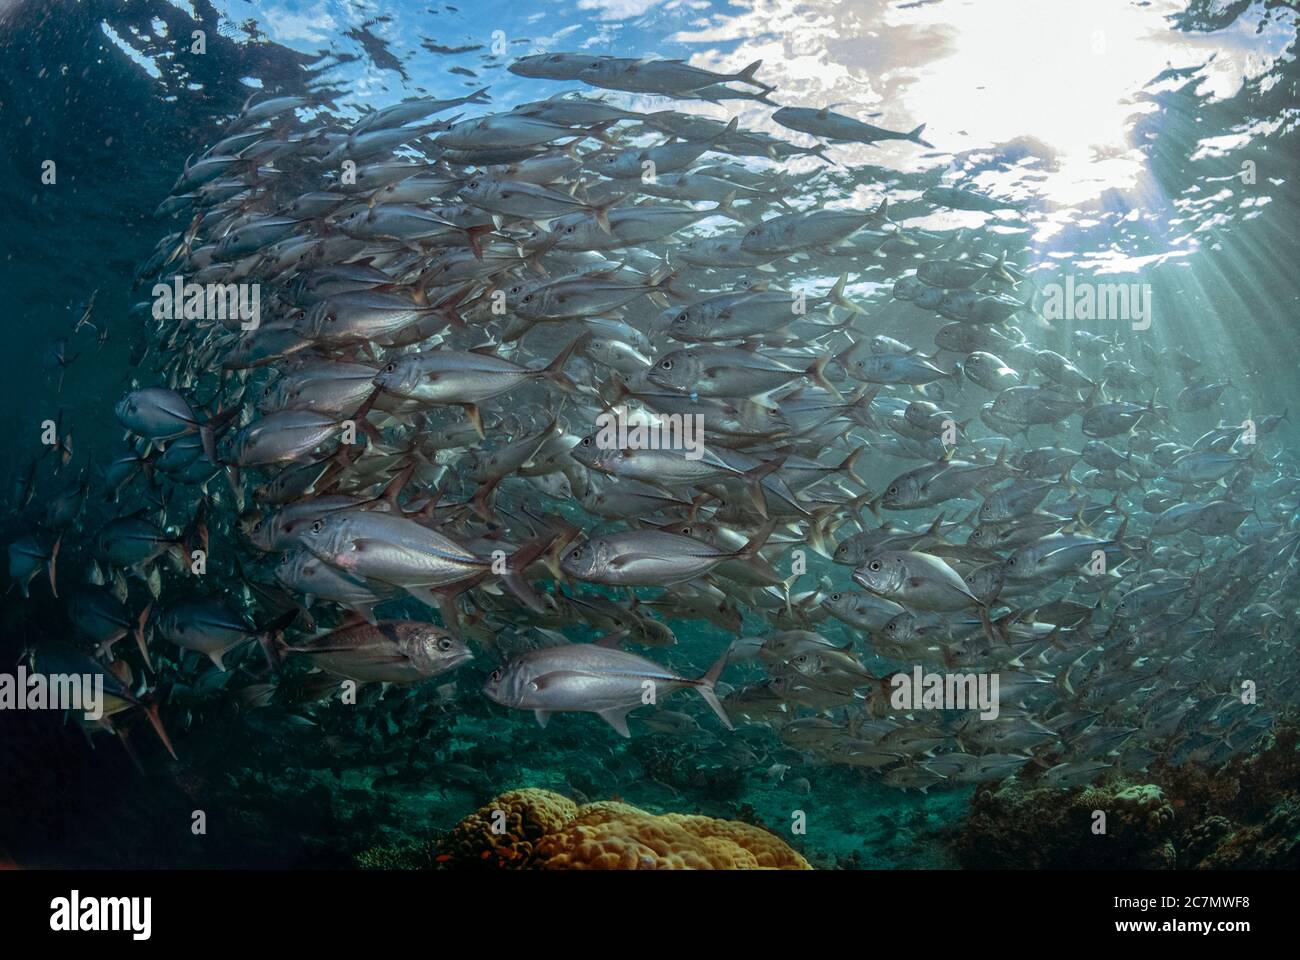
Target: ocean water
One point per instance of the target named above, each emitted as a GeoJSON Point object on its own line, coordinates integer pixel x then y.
{"type": "Point", "coordinates": [1146, 144]}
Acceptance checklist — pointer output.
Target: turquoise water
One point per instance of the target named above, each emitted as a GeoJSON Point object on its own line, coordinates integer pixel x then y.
{"type": "Point", "coordinates": [1147, 143]}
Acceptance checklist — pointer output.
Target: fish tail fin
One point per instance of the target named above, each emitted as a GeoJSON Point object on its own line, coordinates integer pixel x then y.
{"type": "Point", "coordinates": [726, 208]}
{"type": "Point", "coordinates": [999, 269]}
{"type": "Point", "coordinates": [52, 563]}
{"type": "Point", "coordinates": [748, 76]}
{"type": "Point", "coordinates": [731, 128]}
{"type": "Point", "coordinates": [836, 296]}
{"type": "Point", "coordinates": [554, 371]}
{"type": "Point", "coordinates": [474, 237]}
{"type": "Point", "coordinates": [755, 543]}
{"type": "Point", "coordinates": [271, 638]}
{"type": "Point", "coordinates": [601, 212]}
{"type": "Point", "coordinates": [875, 502]}
{"type": "Point", "coordinates": [754, 483]}
{"type": "Point", "coordinates": [987, 622]}
{"type": "Point", "coordinates": [786, 584]}
{"type": "Point", "coordinates": [915, 137]}
{"type": "Point", "coordinates": [141, 641]}
{"type": "Point", "coordinates": [209, 441]}
{"type": "Point", "coordinates": [599, 132]}
{"type": "Point", "coordinates": [849, 465]}
{"type": "Point", "coordinates": [819, 152]}
{"type": "Point", "coordinates": [516, 565]}
{"type": "Point", "coordinates": [151, 711]}
{"type": "Point", "coordinates": [707, 684]}
{"type": "Point", "coordinates": [662, 283]}
{"type": "Point", "coordinates": [817, 530]}
{"type": "Point", "coordinates": [481, 502]}
{"type": "Point", "coordinates": [818, 374]}
{"type": "Point", "coordinates": [854, 507]}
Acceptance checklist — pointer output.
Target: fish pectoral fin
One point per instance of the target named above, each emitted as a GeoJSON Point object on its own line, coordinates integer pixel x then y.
{"type": "Point", "coordinates": [616, 717]}
{"type": "Point", "coordinates": [548, 680]}
{"type": "Point", "coordinates": [475, 417]}
{"type": "Point", "coordinates": [347, 648]}
{"type": "Point", "coordinates": [626, 560]}
{"type": "Point", "coordinates": [364, 610]}
{"type": "Point", "coordinates": [543, 716]}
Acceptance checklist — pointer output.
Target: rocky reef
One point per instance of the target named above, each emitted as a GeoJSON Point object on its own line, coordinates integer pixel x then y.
{"type": "Point", "coordinates": [1243, 815]}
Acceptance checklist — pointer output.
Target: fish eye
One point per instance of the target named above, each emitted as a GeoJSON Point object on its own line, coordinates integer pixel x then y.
{"type": "Point", "coordinates": [666, 364]}
{"type": "Point", "coordinates": [444, 643]}
{"type": "Point", "coordinates": [586, 441]}
{"type": "Point", "coordinates": [391, 367]}
{"type": "Point", "coordinates": [576, 553]}
{"type": "Point", "coordinates": [528, 298]}
{"type": "Point", "coordinates": [496, 676]}
{"type": "Point", "coordinates": [1011, 562]}
{"type": "Point", "coordinates": [257, 526]}
{"type": "Point", "coordinates": [834, 596]}
{"type": "Point", "coordinates": [874, 565]}
{"type": "Point", "coordinates": [893, 490]}
{"type": "Point", "coordinates": [318, 526]}
{"type": "Point", "coordinates": [473, 184]}
{"type": "Point", "coordinates": [569, 229]}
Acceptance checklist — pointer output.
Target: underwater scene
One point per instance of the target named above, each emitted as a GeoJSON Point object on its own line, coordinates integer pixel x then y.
{"type": "Point", "coordinates": [650, 434]}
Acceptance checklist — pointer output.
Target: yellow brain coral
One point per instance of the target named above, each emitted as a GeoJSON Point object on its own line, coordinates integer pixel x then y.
{"type": "Point", "coordinates": [541, 830]}
{"type": "Point", "coordinates": [503, 831]}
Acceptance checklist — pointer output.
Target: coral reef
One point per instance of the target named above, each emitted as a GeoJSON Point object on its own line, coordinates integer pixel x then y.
{"type": "Point", "coordinates": [414, 856]}
{"type": "Point", "coordinates": [541, 830]}
{"type": "Point", "coordinates": [1244, 815]}
{"type": "Point", "coordinates": [504, 832]}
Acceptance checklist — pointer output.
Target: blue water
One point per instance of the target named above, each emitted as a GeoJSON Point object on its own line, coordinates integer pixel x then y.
{"type": "Point", "coordinates": [1150, 143]}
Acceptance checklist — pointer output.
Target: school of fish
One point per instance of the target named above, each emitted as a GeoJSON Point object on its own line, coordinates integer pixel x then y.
{"type": "Point", "coordinates": [397, 467]}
